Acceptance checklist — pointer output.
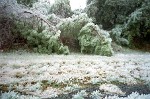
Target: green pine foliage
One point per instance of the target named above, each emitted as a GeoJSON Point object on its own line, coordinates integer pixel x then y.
{"type": "Point", "coordinates": [116, 35]}
{"type": "Point", "coordinates": [61, 8]}
{"type": "Point", "coordinates": [70, 27]}
{"type": "Point", "coordinates": [27, 2]}
{"type": "Point", "coordinates": [92, 9]}
{"type": "Point", "coordinates": [138, 24]}
{"type": "Point", "coordinates": [93, 40]}
{"type": "Point", "coordinates": [42, 40]}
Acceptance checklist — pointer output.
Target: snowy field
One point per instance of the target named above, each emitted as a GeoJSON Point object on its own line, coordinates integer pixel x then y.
{"type": "Point", "coordinates": [76, 76]}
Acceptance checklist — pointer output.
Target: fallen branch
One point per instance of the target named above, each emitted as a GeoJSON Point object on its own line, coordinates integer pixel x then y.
{"type": "Point", "coordinates": [42, 19]}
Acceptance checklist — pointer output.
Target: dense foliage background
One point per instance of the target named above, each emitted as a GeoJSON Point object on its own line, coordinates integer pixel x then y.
{"type": "Point", "coordinates": [127, 19]}
{"type": "Point", "coordinates": [54, 28]}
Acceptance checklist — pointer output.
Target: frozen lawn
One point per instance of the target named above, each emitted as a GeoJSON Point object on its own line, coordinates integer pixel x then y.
{"type": "Point", "coordinates": [52, 75]}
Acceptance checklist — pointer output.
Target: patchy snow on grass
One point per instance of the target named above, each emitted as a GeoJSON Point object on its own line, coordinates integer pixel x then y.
{"type": "Point", "coordinates": [133, 95]}
{"type": "Point", "coordinates": [80, 95]}
{"type": "Point", "coordinates": [96, 95]}
{"type": "Point", "coordinates": [57, 74]}
{"type": "Point", "coordinates": [111, 89]}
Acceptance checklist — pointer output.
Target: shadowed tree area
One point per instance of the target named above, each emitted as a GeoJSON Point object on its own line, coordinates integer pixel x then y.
{"type": "Point", "coordinates": [128, 20]}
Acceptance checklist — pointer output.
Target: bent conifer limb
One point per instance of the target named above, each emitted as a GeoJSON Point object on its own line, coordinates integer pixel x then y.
{"type": "Point", "coordinates": [51, 27]}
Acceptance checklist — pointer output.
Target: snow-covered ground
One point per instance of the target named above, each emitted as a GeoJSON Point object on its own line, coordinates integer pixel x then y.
{"type": "Point", "coordinates": [52, 75]}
